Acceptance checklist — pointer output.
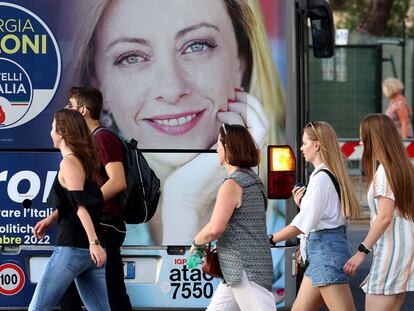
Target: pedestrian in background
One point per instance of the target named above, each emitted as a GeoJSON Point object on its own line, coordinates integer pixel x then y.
{"type": "Point", "coordinates": [324, 210]}
{"type": "Point", "coordinates": [238, 223]}
{"type": "Point", "coordinates": [390, 176]}
{"type": "Point", "coordinates": [398, 109]}
{"type": "Point", "coordinates": [78, 254]}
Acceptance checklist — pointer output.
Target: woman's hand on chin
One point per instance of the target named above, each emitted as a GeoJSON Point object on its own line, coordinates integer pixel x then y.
{"type": "Point", "coordinates": [188, 197]}
{"type": "Point", "coordinates": [247, 111]}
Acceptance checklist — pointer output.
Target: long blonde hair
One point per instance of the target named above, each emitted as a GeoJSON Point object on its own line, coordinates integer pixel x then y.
{"type": "Point", "coordinates": [263, 79]}
{"type": "Point", "coordinates": [332, 156]}
{"type": "Point", "coordinates": [383, 145]}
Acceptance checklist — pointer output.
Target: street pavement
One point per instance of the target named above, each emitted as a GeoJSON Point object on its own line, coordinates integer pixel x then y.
{"type": "Point", "coordinates": [356, 234]}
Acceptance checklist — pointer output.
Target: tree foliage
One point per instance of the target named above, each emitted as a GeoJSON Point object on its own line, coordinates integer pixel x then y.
{"type": "Point", "coordinates": [376, 17]}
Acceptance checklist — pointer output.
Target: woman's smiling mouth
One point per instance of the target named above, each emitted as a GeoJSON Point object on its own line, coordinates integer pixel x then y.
{"type": "Point", "coordinates": [175, 124]}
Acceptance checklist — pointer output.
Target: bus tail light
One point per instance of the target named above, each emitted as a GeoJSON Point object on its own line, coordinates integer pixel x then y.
{"type": "Point", "coordinates": [281, 172]}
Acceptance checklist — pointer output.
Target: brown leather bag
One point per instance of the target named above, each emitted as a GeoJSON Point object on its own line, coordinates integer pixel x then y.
{"type": "Point", "coordinates": [211, 264]}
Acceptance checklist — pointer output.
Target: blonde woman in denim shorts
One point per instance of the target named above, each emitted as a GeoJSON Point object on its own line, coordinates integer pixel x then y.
{"type": "Point", "coordinates": [324, 209]}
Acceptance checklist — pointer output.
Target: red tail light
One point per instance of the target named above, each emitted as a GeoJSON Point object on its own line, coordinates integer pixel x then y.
{"type": "Point", "coordinates": [281, 172]}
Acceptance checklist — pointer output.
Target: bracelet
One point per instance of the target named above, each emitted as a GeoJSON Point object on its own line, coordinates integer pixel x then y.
{"type": "Point", "coordinates": [197, 245]}
{"type": "Point", "coordinates": [363, 249]}
{"type": "Point", "coordinates": [366, 247]}
{"type": "Point", "coordinates": [95, 242]}
{"type": "Point", "coordinates": [270, 236]}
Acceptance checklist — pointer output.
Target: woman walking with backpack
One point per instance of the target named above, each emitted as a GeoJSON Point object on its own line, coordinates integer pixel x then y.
{"type": "Point", "coordinates": [324, 210]}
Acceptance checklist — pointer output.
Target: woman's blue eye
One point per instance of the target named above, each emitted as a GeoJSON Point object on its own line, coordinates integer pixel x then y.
{"type": "Point", "coordinates": [130, 59]}
{"type": "Point", "coordinates": [198, 47]}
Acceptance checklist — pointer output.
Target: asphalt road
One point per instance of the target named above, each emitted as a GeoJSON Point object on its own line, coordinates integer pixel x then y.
{"type": "Point", "coordinates": [356, 234]}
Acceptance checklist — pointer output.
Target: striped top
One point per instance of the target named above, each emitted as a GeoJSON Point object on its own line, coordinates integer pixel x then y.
{"type": "Point", "coordinates": [244, 244]}
{"type": "Point", "coordinates": [393, 254]}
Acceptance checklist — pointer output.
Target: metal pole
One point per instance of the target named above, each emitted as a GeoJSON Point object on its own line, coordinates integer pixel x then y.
{"type": "Point", "coordinates": [403, 53]}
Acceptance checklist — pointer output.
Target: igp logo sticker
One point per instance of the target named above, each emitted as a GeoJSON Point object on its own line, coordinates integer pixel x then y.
{"type": "Point", "coordinates": [30, 65]}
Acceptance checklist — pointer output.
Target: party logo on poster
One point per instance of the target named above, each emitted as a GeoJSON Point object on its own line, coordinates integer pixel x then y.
{"type": "Point", "coordinates": [30, 65]}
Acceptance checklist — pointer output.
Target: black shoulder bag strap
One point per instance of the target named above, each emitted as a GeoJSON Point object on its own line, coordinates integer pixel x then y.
{"type": "Point", "coordinates": [333, 179]}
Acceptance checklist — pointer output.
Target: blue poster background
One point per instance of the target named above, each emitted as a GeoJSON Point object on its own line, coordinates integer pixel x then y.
{"type": "Point", "coordinates": [25, 176]}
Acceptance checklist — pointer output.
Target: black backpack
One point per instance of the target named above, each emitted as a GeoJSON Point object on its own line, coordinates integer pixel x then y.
{"type": "Point", "coordinates": [139, 200]}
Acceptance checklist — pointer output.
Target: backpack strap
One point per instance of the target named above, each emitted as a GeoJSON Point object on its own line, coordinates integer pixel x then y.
{"type": "Point", "coordinates": [102, 128]}
{"type": "Point", "coordinates": [333, 179]}
{"type": "Point", "coordinates": [133, 142]}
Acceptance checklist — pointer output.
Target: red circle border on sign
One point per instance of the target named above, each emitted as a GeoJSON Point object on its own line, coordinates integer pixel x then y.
{"type": "Point", "coordinates": [21, 283]}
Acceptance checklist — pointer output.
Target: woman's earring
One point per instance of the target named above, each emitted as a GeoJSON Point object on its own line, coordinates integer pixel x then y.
{"type": "Point", "coordinates": [106, 118]}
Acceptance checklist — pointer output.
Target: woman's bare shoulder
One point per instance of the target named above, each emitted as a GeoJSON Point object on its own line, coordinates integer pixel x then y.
{"type": "Point", "coordinates": [70, 162]}
{"type": "Point", "coordinates": [230, 186]}
{"type": "Point", "coordinates": [72, 171]}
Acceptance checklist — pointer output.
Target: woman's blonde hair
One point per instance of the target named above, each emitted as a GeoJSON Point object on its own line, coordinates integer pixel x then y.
{"type": "Point", "coordinates": [263, 79]}
{"type": "Point", "coordinates": [332, 156]}
{"type": "Point", "coordinates": [383, 145]}
{"type": "Point", "coordinates": [392, 86]}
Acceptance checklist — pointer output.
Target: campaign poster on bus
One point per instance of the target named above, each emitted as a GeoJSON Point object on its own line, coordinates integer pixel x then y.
{"type": "Point", "coordinates": [171, 73]}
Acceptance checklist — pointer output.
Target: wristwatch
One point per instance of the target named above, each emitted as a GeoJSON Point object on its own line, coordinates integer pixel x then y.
{"type": "Point", "coordinates": [95, 242]}
{"type": "Point", "coordinates": [270, 236]}
{"type": "Point", "coordinates": [363, 249]}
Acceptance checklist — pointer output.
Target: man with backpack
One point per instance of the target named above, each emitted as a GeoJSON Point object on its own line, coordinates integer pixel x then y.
{"type": "Point", "coordinates": [88, 101]}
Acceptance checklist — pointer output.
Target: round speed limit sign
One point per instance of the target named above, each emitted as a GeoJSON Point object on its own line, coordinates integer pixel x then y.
{"type": "Point", "coordinates": [11, 279]}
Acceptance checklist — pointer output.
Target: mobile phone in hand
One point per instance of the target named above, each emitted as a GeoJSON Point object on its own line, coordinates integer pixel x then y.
{"type": "Point", "coordinates": [299, 185]}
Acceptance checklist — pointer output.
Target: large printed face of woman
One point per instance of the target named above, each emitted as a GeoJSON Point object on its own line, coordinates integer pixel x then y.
{"type": "Point", "coordinates": [166, 68]}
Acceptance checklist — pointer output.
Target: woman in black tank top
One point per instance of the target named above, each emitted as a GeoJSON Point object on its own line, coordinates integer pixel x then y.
{"type": "Point", "coordinates": [78, 254]}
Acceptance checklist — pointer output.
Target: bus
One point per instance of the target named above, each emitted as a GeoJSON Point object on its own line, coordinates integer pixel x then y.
{"type": "Point", "coordinates": [169, 72]}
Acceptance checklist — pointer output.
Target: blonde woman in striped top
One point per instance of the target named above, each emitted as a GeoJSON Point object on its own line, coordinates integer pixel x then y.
{"type": "Point", "coordinates": [390, 177]}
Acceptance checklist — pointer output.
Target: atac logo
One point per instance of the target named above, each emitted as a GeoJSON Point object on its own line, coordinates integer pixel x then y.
{"type": "Point", "coordinates": [30, 65]}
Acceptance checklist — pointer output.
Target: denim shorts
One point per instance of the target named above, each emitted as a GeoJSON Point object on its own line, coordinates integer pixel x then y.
{"type": "Point", "coordinates": [327, 251]}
